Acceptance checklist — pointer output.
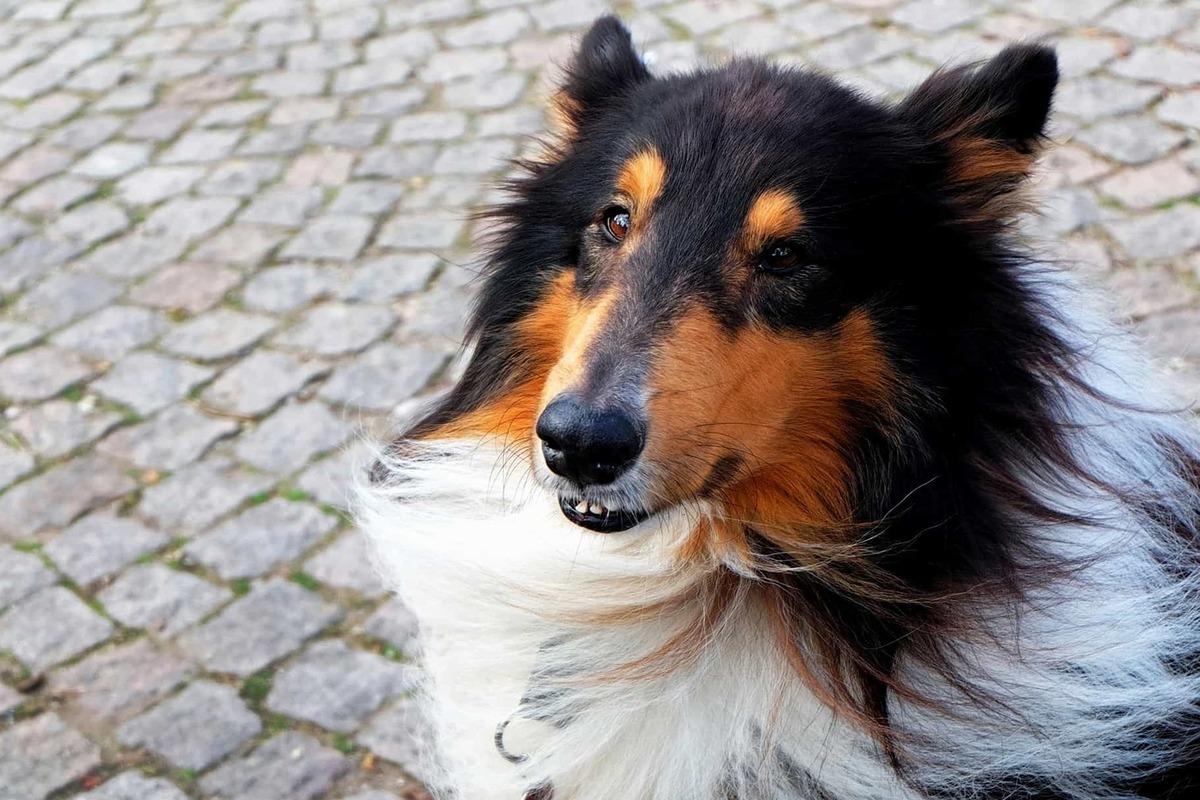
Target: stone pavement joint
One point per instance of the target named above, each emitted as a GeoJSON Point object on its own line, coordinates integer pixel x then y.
{"type": "Point", "coordinates": [236, 236]}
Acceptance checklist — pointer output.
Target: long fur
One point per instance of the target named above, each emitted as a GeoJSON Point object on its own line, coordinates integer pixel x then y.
{"type": "Point", "coordinates": [1013, 609]}
{"type": "Point", "coordinates": [1082, 675]}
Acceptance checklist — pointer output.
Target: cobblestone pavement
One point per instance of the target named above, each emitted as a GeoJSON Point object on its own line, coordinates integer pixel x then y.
{"type": "Point", "coordinates": [233, 234]}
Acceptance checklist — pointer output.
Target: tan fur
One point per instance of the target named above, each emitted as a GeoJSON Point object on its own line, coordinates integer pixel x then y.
{"type": "Point", "coordinates": [778, 402]}
{"type": "Point", "coordinates": [641, 181]}
{"type": "Point", "coordinates": [775, 214]}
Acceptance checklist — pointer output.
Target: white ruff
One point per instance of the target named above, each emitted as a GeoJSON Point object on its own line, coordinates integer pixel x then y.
{"type": "Point", "coordinates": [501, 583]}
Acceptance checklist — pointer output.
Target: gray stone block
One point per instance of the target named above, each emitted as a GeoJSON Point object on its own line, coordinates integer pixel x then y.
{"type": "Point", "coordinates": [41, 373]}
{"type": "Point", "coordinates": [135, 786]}
{"type": "Point", "coordinates": [198, 495]}
{"type": "Point", "coordinates": [336, 686]}
{"type": "Point", "coordinates": [346, 564]}
{"type": "Point", "coordinates": [101, 544]}
{"type": "Point", "coordinates": [261, 538]}
{"type": "Point", "coordinates": [194, 288]}
{"type": "Point", "coordinates": [402, 735]}
{"type": "Point", "coordinates": [272, 621]}
{"type": "Point", "coordinates": [118, 682]}
{"type": "Point", "coordinates": [190, 218]}
{"type": "Point", "coordinates": [384, 375]}
{"type": "Point", "coordinates": [290, 766]}
{"type": "Point", "coordinates": [391, 276]}
{"type": "Point", "coordinates": [199, 726]}
{"type": "Point", "coordinates": [221, 334]}
{"type": "Point", "coordinates": [176, 437]}
{"type": "Point", "coordinates": [113, 331]}
{"type": "Point", "coordinates": [332, 238]}
{"type": "Point", "coordinates": [58, 427]}
{"type": "Point", "coordinates": [288, 439]}
{"type": "Point", "coordinates": [49, 627]}
{"type": "Point", "coordinates": [288, 287]}
{"type": "Point", "coordinates": [133, 255]}
{"type": "Point", "coordinates": [21, 574]}
{"type": "Point", "coordinates": [60, 494]}
{"type": "Point", "coordinates": [161, 600]}
{"type": "Point", "coordinates": [41, 755]}
{"type": "Point", "coordinates": [148, 382]}
{"type": "Point", "coordinates": [335, 329]}
{"type": "Point", "coordinates": [259, 382]}
{"type": "Point", "coordinates": [396, 624]}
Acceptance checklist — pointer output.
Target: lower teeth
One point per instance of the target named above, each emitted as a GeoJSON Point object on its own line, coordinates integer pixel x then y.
{"type": "Point", "coordinates": [584, 507]}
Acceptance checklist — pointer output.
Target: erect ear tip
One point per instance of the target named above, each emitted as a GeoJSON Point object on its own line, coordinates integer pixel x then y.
{"type": "Point", "coordinates": [1007, 98]}
{"type": "Point", "coordinates": [607, 41]}
{"type": "Point", "coordinates": [604, 67]}
{"type": "Point", "coordinates": [1026, 74]}
{"type": "Point", "coordinates": [605, 27]}
{"type": "Point", "coordinates": [1030, 61]}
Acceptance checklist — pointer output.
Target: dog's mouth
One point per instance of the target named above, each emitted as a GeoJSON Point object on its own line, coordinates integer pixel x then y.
{"type": "Point", "coordinates": [598, 518]}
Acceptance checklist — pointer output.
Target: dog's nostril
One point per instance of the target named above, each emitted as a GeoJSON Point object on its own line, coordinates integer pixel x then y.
{"type": "Point", "coordinates": [588, 445]}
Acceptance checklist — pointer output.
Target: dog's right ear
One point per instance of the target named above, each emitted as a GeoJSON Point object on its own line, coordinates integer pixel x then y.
{"type": "Point", "coordinates": [604, 68]}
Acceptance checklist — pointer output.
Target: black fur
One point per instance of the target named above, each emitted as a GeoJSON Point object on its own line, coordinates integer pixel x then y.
{"type": "Point", "coordinates": [886, 231]}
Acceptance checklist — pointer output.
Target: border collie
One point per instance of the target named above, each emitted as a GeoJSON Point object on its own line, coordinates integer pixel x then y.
{"type": "Point", "coordinates": [780, 469]}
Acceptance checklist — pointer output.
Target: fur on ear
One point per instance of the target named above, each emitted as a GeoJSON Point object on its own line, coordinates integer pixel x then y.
{"type": "Point", "coordinates": [990, 119]}
{"type": "Point", "coordinates": [604, 67]}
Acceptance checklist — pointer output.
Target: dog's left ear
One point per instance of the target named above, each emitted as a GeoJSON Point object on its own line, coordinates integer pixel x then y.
{"type": "Point", "coordinates": [990, 120]}
{"type": "Point", "coordinates": [604, 68]}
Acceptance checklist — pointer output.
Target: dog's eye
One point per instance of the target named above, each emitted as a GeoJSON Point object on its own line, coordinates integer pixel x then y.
{"type": "Point", "coordinates": [616, 223]}
{"type": "Point", "coordinates": [779, 256]}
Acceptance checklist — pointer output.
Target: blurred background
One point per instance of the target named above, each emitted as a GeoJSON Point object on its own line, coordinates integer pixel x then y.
{"type": "Point", "coordinates": [234, 234]}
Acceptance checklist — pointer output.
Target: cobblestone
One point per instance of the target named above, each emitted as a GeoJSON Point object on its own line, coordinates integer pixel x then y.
{"type": "Point", "coordinates": [198, 495]}
{"type": "Point", "coordinates": [162, 600]}
{"type": "Point", "coordinates": [133, 256]}
{"type": "Point", "coordinates": [121, 681]}
{"type": "Point", "coordinates": [259, 383]}
{"type": "Point", "coordinates": [290, 766]}
{"type": "Point", "coordinates": [288, 439]}
{"type": "Point", "coordinates": [221, 334]}
{"type": "Point", "coordinates": [272, 621]}
{"type": "Point", "coordinates": [51, 626]}
{"type": "Point", "coordinates": [61, 494]}
{"type": "Point", "coordinates": [382, 375]}
{"type": "Point", "coordinates": [148, 382]}
{"type": "Point", "coordinates": [260, 539]}
{"type": "Point", "coordinates": [288, 287]}
{"type": "Point", "coordinates": [1130, 141]}
{"type": "Point", "coordinates": [331, 238]}
{"type": "Point", "coordinates": [40, 373]}
{"type": "Point", "coordinates": [336, 686]}
{"type": "Point", "coordinates": [197, 727]}
{"type": "Point", "coordinates": [56, 428]}
{"type": "Point", "coordinates": [43, 754]}
{"type": "Point", "coordinates": [190, 218]}
{"type": "Point", "coordinates": [232, 231]}
{"type": "Point", "coordinates": [399, 734]}
{"type": "Point", "coordinates": [172, 439]}
{"type": "Point", "coordinates": [21, 574]}
{"type": "Point", "coordinates": [61, 298]}
{"type": "Point", "coordinates": [111, 332]}
{"type": "Point", "coordinates": [335, 329]}
{"type": "Point", "coordinates": [135, 786]}
{"type": "Point", "coordinates": [394, 623]}
{"type": "Point", "coordinates": [346, 564]}
{"type": "Point", "coordinates": [100, 545]}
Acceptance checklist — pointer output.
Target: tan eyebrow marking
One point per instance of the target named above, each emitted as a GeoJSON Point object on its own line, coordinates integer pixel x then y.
{"type": "Point", "coordinates": [642, 178]}
{"type": "Point", "coordinates": [775, 214]}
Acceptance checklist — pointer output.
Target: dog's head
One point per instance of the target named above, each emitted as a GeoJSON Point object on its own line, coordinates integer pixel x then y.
{"type": "Point", "coordinates": [716, 286]}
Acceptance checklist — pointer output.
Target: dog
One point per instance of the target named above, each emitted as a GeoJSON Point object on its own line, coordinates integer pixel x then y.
{"type": "Point", "coordinates": [781, 469]}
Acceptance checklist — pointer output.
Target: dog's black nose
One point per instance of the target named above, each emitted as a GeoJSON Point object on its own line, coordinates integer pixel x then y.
{"type": "Point", "coordinates": [588, 445]}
